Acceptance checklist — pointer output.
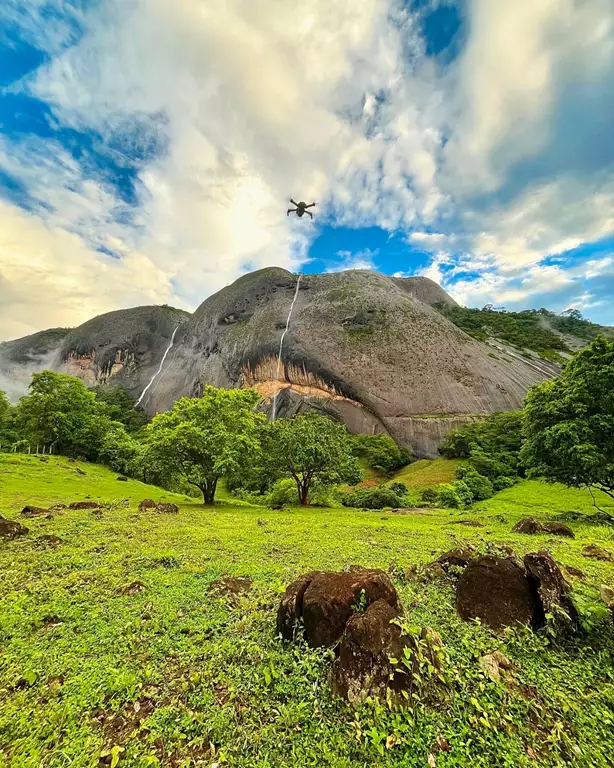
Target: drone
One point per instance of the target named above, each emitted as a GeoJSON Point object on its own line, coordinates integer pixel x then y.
{"type": "Point", "coordinates": [300, 209]}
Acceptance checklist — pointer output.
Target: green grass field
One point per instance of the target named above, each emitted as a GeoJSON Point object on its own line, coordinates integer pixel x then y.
{"type": "Point", "coordinates": [176, 676]}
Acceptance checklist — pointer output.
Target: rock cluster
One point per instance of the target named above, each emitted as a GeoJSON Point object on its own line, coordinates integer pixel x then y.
{"type": "Point", "coordinates": [357, 613]}
{"type": "Point", "coordinates": [163, 508]}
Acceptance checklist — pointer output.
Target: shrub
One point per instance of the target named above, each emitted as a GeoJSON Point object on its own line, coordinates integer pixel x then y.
{"type": "Point", "coordinates": [479, 486]}
{"type": "Point", "coordinates": [454, 495]}
{"type": "Point", "coordinates": [376, 498]}
{"type": "Point", "coordinates": [283, 493]}
{"type": "Point", "coordinates": [399, 488]}
{"type": "Point", "coordinates": [501, 482]}
{"type": "Point", "coordinates": [381, 453]}
{"type": "Point", "coordinates": [429, 495]}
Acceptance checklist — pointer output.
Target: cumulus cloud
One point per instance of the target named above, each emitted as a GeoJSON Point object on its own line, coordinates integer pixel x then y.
{"type": "Point", "coordinates": [219, 112]}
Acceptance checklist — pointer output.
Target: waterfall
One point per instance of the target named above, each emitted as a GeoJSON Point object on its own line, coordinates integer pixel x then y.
{"type": "Point", "coordinates": [157, 373]}
{"type": "Point", "coordinates": [281, 344]}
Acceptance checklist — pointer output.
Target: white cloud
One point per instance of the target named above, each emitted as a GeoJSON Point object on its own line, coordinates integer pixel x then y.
{"type": "Point", "coordinates": [363, 259]}
{"type": "Point", "coordinates": [255, 101]}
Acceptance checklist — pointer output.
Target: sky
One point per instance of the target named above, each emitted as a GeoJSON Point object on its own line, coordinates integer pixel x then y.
{"type": "Point", "coordinates": [149, 149]}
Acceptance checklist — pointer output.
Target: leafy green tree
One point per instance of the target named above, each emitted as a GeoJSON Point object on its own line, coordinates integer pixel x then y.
{"type": "Point", "coordinates": [6, 420]}
{"type": "Point", "coordinates": [309, 447]}
{"type": "Point", "coordinates": [205, 438]}
{"type": "Point", "coordinates": [480, 486]}
{"type": "Point", "coordinates": [569, 422]}
{"type": "Point", "coordinates": [120, 451]}
{"type": "Point", "coordinates": [121, 406]}
{"type": "Point", "coordinates": [381, 452]}
{"type": "Point", "coordinates": [62, 413]}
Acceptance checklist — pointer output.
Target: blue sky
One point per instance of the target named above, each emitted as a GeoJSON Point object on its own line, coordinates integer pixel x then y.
{"type": "Point", "coordinates": [148, 149]}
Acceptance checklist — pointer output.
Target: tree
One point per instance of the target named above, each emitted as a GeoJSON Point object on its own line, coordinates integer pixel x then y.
{"type": "Point", "coordinates": [62, 413]}
{"type": "Point", "coordinates": [568, 423]}
{"type": "Point", "coordinates": [6, 413]}
{"type": "Point", "coordinates": [309, 447]}
{"type": "Point", "coordinates": [381, 452]}
{"type": "Point", "coordinates": [204, 439]}
{"type": "Point", "coordinates": [121, 406]}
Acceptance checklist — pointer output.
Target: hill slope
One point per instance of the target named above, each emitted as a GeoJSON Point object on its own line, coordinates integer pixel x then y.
{"type": "Point", "coordinates": [170, 673]}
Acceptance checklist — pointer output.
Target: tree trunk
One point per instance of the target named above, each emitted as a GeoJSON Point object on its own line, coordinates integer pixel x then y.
{"type": "Point", "coordinates": [208, 491]}
{"type": "Point", "coordinates": [304, 493]}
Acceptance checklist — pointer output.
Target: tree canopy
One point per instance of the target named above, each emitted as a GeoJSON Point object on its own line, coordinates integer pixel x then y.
{"type": "Point", "coordinates": [568, 422]}
{"type": "Point", "coordinates": [204, 439]}
{"type": "Point", "coordinates": [309, 447]}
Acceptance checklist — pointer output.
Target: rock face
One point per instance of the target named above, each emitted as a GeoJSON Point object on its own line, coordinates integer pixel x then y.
{"type": "Point", "coordinates": [325, 600]}
{"type": "Point", "coordinates": [366, 348]}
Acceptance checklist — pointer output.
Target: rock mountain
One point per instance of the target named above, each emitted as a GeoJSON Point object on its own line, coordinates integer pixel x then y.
{"type": "Point", "coordinates": [366, 348]}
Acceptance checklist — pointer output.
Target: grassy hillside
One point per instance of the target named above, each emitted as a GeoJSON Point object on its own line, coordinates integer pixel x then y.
{"type": "Point", "coordinates": [426, 473]}
{"type": "Point", "coordinates": [176, 676]}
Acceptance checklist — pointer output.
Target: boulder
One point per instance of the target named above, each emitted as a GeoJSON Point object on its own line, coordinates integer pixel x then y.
{"type": "Point", "coordinates": [373, 661]}
{"type": "Point", "coordinates": [122, 479]}
{"type": "Point", "coordinates": [30, 511]}
{"type": "Point", "coordinates": [363, 667]}
{"type": "Point", "coordinates": [84, 505]}
{"type": "Point", "coordinates": [167, 509]}
{"type": "Point", "coordinates": [597, 553]}
{"type": "Point", "coordinates": [48, 539]}
{"type": "Point", "coordinates": [496, 665]}
{"type": "Point", "coordinates": [575, 572]}
{"type": "Point", "coordinates": [290, 611]}
{"type": "Point", "coordinates": [10, 529]}
{"type": "Point", "coordinates": [558, 529]}
{"type": "Point", "coordinates": [496, 591]}
{"type": "Point", "coordinates": [607, 595]}
{"type": "Point", "coordinates": [528, 525]}
{"type": "Point", "coordinates": [325, 601]}
{"type": "Point", "coordinates": [552, 591]}
{"type": "Point", "coordinates": [57, 507]}
{"type": "Point", "coordinates": [457, 558]}
{"type": "Point", "coordinates": [146, 504]}
{"type": "Point", "coordinates": [231, 586]}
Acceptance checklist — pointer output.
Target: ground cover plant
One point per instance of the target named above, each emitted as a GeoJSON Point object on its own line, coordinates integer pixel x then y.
{"type": "Point", "coordinates": [116, 650]}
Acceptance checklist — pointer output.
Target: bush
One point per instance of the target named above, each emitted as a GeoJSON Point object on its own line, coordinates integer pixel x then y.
{"type": "Point", "coordinates": [282, 494]}
{"type": "Point", "coordinates": [429, 495]}
{"type": "Point", "coordinates": [399, 488]}
{"type": "Point", "coordinates": [375, 498]}
{"type": "Point", "coordinates": [501, 482]}
{"type": "Point", "coordinates": [454, 495]}
{"type": "Point", "coordinates": [381, 453]}
{"type": "Point", "coordinates": [479, 486]}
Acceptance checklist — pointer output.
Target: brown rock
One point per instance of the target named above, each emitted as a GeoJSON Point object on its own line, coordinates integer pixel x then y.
{"type": "Point", "coordinates": [57, 508]}
{"type": "Point", "coordinates": [48, 539]}
{"type": "Point", "coordinates": [146, 504]}
{"type": "Point", "coordinates": [122, 479]}
{"type": "Point", "coordinates": [167, 509]}
{"type": "Point", "coordinates": [326, 600]}
{"type": "Point", "coordinates": [31, 511]}
{"type": "Point", "coordinates": [231, 586]}
{"type": "Point", "coordinates": [576, 572]}
{"type": "Point", "coordinates": [11, 529]}
{"type": "Point", "coordinates": [597, 553]}
{"type": "Point", "coordinates": [528, 525]}
{"type": "Point", "coordinates": [363, 667]}
{"type": "Point", "coordinates": [553, 591]}
{"type": "Point", "coordinates": [84, 505]}
{"type": "Point", "coordinates": [290, 611]}
{"type": "Point", "coordinates": [607, 595]}
{"type": "Point", "coordinates": [470, 523]}
{"type": "Point", "coordinates": [495, 590]}
{"type": "Point", "coordinates": [558, 529]}
{"type": "Point", "coordinates": [495, 665]}
{"type": "Point", "coordinates": [458, 558]}
{"type": "Point", "coordinates": [132, 589]}
{"type": "Point", "coordinates": [433, 571]}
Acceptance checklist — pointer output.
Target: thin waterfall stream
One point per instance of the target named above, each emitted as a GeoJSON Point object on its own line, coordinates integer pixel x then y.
{"type": "Point", "coordinates": [157, 373]}
{"type": "Point", "coordinates": [281, 345]}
